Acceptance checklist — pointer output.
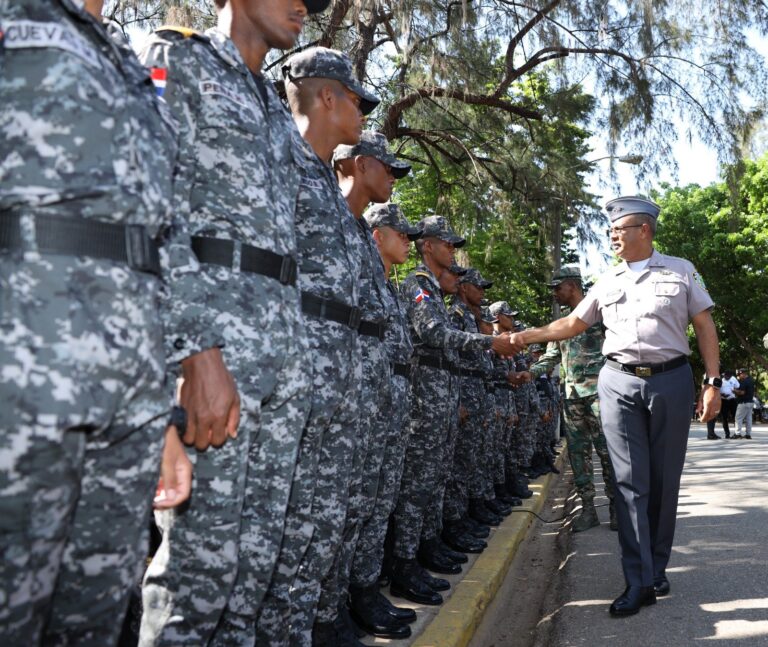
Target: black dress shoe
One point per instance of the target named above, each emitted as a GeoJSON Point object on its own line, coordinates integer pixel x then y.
{"type": "Point", "coordinates": [403, 614]}
{"type": "Point", "coordinates": [498, 507]}
{"type": "Point", "coordinates": [633, 598]}
{"type": "Point", "coordinates": [459, 540]}
{"type": "Point", "coordinates": [661, 585]}
{"type": "Point", "coordinates": [407, 583]}
{"type": "Point", "coordinates": [475, 528]}
{"type": "Point", "coordinates": [434, 583]}
{"type": "Point", "coordinates": [455, 555]}
{"type": "Point", "coordinates": [429, 556]}
{"type": "Point", "coordinates": [372, 616]}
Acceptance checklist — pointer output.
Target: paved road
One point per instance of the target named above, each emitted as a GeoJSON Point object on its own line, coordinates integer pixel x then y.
{"type": "Point", "coordinates": [718, 571]}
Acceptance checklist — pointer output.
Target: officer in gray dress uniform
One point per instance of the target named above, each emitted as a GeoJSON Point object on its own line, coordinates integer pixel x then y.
{"type": "Point", "coordinates": [645, 303]}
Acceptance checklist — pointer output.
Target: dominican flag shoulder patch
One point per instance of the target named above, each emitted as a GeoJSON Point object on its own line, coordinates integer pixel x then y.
{"type": "Point", "coordinates": [421, 295]}
{"type": "Point", "coordinates": [159, 76]}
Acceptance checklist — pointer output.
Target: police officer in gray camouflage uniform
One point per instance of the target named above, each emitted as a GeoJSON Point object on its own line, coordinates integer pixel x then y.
{"type": "Point", "coordinates": [430, 419]}
{"type": "Point", "coordinates": [328, 104]}
{"type": "Point", "coordinates": [240, 168]}
{"type": "Point", "coordinates": [86, 162]}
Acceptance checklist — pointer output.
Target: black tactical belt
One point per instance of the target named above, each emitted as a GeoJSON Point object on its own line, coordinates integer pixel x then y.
{"type": "Point", "coordinates": [58, 235]}
{"type": "Point", "coordinates": [219, 251]}
{"type": "Point", "coordinates": [646, 370]}
{"type": "Point", "coordinates": [372, 329]}
{"type": "Point", "coordinates": [401, 369]}
{"type": "Point", "coordinates": [435, 362]}
{"type": "Point", "coordinates": [331, 310]}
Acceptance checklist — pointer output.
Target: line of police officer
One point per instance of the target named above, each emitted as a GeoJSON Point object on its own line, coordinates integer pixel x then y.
{"type": "Point", "coordinates": [171, 230]}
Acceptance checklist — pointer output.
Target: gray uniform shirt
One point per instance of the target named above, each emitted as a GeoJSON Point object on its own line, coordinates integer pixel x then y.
{"type": "Point", "coordinates": [646, 313]}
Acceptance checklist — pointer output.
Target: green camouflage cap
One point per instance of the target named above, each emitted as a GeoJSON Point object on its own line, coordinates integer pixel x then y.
{"type": "Point", "coordinates": [571, 272]}
{"type": "Point", "coordinates": [474, 277]}
{"type": "Point", "coordinates": [373, 144]}
{"type": "Point", "coordinates": [438, 227]}
{"type": "Point", "coordinates": [388, 214]}
{"type": "Point", "coordinates": [503, 308]}
{"type": "Point", "coordinates": [324, 63]}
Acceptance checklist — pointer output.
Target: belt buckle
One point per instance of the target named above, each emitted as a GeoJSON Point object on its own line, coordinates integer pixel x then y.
{"type": "Point", "coordinates": [355, 317]}
{"type": "Point", "coordinates": [643, 371]}
{"type": "Point", "coordinates": [137, 248]}
{"type": "Point", "coordinates": [288, 270]}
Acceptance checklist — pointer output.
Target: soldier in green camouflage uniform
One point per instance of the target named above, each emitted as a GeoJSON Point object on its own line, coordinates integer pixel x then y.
{"type": "Point", "coordinates": [582, 360]}
{"type": "Point", "coordinates": [86, 161]}
{"type": "Point", "coordinates": [240, 173]}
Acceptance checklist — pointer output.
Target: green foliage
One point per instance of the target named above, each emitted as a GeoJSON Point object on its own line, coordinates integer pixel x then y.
{"type": "Point", "coordinates": [728, 244]}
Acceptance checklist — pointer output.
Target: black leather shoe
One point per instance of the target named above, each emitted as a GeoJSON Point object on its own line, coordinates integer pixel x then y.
{"type": "Point", "coordinates": [518, 486]}
{"type": "Point", "coordinates": [371, 616]}
{"type": "Point", "coordinates": [661, 585]}
{"type": "Point", "coordinates": [474, 528]}
{"type": "Point", "coordinates": [482, 514]}
{"type": "Point", "coordinates": [402, 614]}
{"type": "Point", "coordinates": [463, 542]}
{"type": "Point", "coordinates": [407, 584]}
{"type": "Point", "coordinates": [633, 598]}
{"type": "Point", "coordinates": [434, 583]}
{"type": "Point", "coordinates": [456, 556]}
{"type": "Point", "coordinates": [346, 631]}
{"type": "Point", "coordinates": [429, 556]}
{"type": "Point", "coordinates": [497, 507]}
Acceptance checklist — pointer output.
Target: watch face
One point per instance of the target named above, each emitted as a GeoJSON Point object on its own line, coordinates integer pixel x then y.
{"type": "Point", "coordinates": [717, 382]}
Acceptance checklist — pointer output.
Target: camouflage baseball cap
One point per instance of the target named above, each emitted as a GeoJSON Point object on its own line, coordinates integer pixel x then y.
{"type": "Point", "coordinates": [324, 63]}
{"type": "Point", "coordinates": [535, 348]}
{"type": "Point", "coordinates": [375, 145]}
{"type": "Point", "coordinates": [388, 214]}
{"type": "Point", "coordinates": [571, 272]}
{"type": "Point", "coordinates": [457, 269]}
{"type": "Point", "coordinates": [487, 316]}
{"type": "Point", "coordinates": [519, 325]}
{"type": "Point", "coordinates": [316, 6]}
{"type": "Point", "coordinates": [474, 277]}
{"type": "Point", "coordinates": [503, 308]}
{"type": "Point", "coordinates": [438, 227]}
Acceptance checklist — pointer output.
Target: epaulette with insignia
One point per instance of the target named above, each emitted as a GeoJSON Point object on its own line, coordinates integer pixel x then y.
{"type": "Point", "coordinates": [182, 32]}
{"type": "Point", "coordinates": [424, 274]}
{"type": "Point", "coordinates": [459, 311]}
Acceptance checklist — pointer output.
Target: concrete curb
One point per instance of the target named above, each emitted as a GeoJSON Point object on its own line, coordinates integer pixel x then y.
{"type": "Point", "coordinates": [459, 617]}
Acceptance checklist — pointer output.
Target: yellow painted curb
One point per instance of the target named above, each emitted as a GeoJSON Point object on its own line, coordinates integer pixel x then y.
{"type": "Point", "coordinates": [459, 617]}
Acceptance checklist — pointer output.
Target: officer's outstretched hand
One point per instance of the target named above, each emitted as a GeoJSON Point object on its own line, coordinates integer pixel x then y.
{"type": "Point", "coordinates": [175, 481]}
{"type": "Point", "coordinates": [501, 345]}
{"type": "Point", "coordinates": [516, 379]}
{"type": "Point", "coordinates": [709, 403]}
{"type": "Point", "coordinates": [516, 340]}
{"type": "Point", "coordinates": [209, 395]}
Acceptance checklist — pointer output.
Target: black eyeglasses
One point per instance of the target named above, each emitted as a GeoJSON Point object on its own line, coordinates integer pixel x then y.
{"type": "Point", "coordinates": [620, 230]}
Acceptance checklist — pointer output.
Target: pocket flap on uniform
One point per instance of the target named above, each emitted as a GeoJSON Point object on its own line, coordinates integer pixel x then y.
{"type": "Point", "coordinates": [613, 296]}
{"type": "Point", "coordinates": [667, 288]}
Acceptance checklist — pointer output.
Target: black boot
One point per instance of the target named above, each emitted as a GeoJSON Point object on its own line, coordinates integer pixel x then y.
{"type": "Point", "coordinates": [346, 631]}
{"type": "Point", "coordinates": [518, 486]}
{"type": "Point", "coordinates": [455, 556]}
{"type": "Point", "coordinates": [497, 507]}
{"type": "Point", "coordinates": [479, 512]}
{"type": "Point", "coordinates": [324, 634]}
{"type": "Point", "coordinates": [458, 539]}
{"type": "Point", "coordinates": [369, 614]}
{"type": "Point", "coordinates": [407, 584]}
{"type": "Point", "coordinates": [434, 583]}
{"type": "Point", "coordinates": [429, 556]}
{"type": "Point", "coordinates": [505, 496]}
{"type": "Point", "coordinates": [403, 614]}
{"type": "Point", "coordinates": [474, 528]}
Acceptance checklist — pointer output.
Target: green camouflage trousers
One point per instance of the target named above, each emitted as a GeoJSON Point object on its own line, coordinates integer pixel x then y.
{"type": "Point", "coordinates": [583, 430]}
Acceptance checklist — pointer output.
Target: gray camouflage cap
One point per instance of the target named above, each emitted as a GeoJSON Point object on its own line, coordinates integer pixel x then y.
{"type": "Point", "coordinates": [324, 63]}
{"type": "Point", "coordinates": [487, 316]}
{"type": "Point", "coordinates": [438, 227]}
{"type": "Point", "coordinates": [535, 348]}
{"type": "Point", "coordinates": [388, 214]}
{"type": "Point", "coordinates": [457, 269]}
{"type": "Point", "coordinates": [474, 277]}
{"type": "Point", "coordinates": [567, 272]}
{"type": "Point", "coordinates": [503, 308]}
{"type": "Point", "coordinates": [373, 144]}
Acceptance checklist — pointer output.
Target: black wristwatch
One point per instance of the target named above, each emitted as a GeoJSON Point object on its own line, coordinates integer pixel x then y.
{"type": "Point", "coordinates": [713, 381]}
